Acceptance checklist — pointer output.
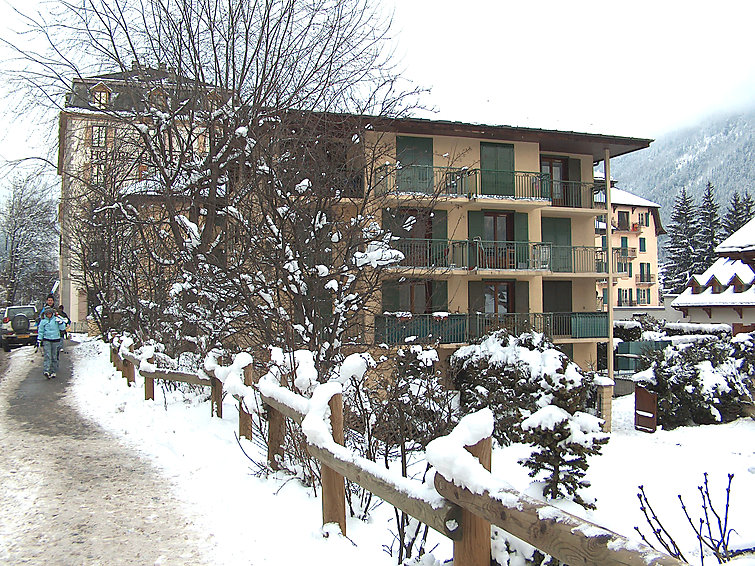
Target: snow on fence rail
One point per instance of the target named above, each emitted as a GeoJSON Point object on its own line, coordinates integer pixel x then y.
{"type": "Point", "coordinates": [466, 498]}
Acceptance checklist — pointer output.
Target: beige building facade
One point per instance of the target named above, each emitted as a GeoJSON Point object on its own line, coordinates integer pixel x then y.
{"type": "Point", "coordinates": [635, 227]}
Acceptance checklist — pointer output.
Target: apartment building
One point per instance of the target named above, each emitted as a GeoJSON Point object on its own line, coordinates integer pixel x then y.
{"type": "Point", "coordinates": [497, 228]}
{"type": "Point", "coordinates": [635, 227]}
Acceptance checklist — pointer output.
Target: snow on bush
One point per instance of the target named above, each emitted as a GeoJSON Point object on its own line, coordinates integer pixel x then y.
{"type": "Point", "coordinates": [538, 396]}
{"type": "Point", "coordinates": [705, 382]}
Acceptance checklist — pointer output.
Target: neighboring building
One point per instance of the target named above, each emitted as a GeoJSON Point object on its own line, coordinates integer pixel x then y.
{"type": "Point", "coordinates": [508, 242]}
{"type": "Point", "coordinates": [636, 226]}
{"type": "Point", "coordinates": [501, 225]}
{"type": "Point", "coordinates": [725, 292]}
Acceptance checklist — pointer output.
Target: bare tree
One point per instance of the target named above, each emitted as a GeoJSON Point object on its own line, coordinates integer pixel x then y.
{"type": "Point", "coordinates": [234, 107]}
{"type": "Point", "coordinates": [29, 228]}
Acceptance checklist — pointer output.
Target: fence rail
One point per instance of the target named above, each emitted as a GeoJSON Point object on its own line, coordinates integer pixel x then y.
{"type": "Point", "coordinates": [461, 515]}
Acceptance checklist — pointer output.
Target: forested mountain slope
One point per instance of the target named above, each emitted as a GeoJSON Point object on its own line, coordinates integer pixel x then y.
{"type": "Point", "coordinates": [720, 150]}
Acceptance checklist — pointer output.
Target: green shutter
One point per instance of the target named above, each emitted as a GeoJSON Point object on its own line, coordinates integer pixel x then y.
{"type": "Point", "coordinates": [643, 245]}
{"type": "Point", "coordinates": [497, 169]}
{"type": "Point", "coordinates": [475, 229]}
{"type": "Point", "coordinates": [521, 296]}
{"type": "Point", "coordinates": [521, 234]}
{"type": "Point", "coordinates": [416, 158]}
{"type": "Point", "coordinates": [439, 299]}
{"type": "Point", "coordinates": [440, 225]}
{"type": "Point", "coordinates": [557, 231]}
{"type": "Point", "coordinates": [390, 296]}
{"type": "Point", "coordinates": [630, 269]}
{"type": "Point", "coordinates": [476, 297]}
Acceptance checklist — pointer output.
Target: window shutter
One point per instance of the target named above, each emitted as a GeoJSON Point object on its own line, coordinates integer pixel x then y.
{"type": "Point", "coordinates": [439, 299]}
{"type": "Point", "coordinates": [476, 297]}
{"type": "Point", "coordinates": [390, 296]}
{"type": "Point", "coordinates": [440, 225]}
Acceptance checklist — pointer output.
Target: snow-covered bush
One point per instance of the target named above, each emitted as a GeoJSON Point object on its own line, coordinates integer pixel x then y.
{"type": "Point", "coordinates": [538, 396]}
{"type": "Point", "coordinates": [627, 330]}
{"type": "Point", "coordinates": [701, 383]}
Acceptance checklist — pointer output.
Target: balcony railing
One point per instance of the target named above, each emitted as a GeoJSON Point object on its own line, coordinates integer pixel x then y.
{"type": "Point", "coordinates": [486, 183]}
{"type": "Point", "coordinates": [625, 254]}
{"type": "Point", "coordinates": [644, 279]}
{"type": "Point", "coordinates": [463, 328]}
{"type": "Point", "coordinates": [487, 254]}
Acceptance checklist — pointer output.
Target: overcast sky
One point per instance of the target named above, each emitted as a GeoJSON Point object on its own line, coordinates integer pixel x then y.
{"type": "Point", "coordinates": [633, 68]}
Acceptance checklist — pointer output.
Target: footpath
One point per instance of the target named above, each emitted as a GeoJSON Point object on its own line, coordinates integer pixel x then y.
{"type": "Point", "coordinates": [70, 494]}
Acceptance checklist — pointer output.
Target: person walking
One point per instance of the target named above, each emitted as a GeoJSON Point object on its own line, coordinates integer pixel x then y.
{"type": "Point", "coordinates": [49, 335]}
{"type": "Point", "coordinates": [49, 303]}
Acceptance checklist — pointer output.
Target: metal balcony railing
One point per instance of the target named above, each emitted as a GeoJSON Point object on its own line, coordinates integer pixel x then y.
{"type": "Point", "coordinates": [486, 183]}
{"type": "Point", "coordinates": [506, 255]}
{"type": "Point", "coordinates": [645, 279]}
{"type": "Point", "coordinates": [463, 328]}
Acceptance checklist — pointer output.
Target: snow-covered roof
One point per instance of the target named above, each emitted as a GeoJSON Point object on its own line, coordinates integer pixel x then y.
{"type": "Point", "coordinates": [628, 199]}
{"type": "Point", "coordinates": [727, 298]}
{"type": "Point", "coordinates": [743, 240]}
{"type": "Point", "coordinates": [724, 271]}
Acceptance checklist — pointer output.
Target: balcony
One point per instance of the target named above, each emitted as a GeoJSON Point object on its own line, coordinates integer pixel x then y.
{"type": "Point", "coordinates": [496, 255]}
{"type": "Point", "coordinates": [625, 254]}
{"type": "Point", "coordinates": [485, 183]}
{"type": "Point", "coordinates": [447, 328]}
{"type": "Point", "coordinates": [634, 227]}
{"type": "Point", "coordinates": [645, 279]}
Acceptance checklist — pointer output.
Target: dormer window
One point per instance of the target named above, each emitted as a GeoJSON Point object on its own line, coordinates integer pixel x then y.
{"type": "Point", "coordinates": [101, 98]}
{"type": "Point", "coordinates": [717, 288]}
{"type": "Point", "coordinates": [696, 289]}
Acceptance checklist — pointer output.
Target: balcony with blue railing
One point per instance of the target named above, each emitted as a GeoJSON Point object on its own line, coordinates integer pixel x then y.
{"type": "Point", "coordinates": [456, 328]}
{"type": "Point", "coordinates": [500, 255]}
{"type": "Point", "coordinates": [487, 183]}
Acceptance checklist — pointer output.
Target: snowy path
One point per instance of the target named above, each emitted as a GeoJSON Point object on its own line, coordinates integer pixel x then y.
{"type": "Point", "coordinates": [72, 494]}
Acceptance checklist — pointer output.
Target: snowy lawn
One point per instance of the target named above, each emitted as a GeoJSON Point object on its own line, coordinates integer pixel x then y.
{"type": "Point", "coordinates": [276, 520]}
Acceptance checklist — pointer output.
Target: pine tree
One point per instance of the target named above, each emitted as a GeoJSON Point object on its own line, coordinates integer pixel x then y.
{"type": "Point", "coordinates": [739, 212]}
{"type": "Point", "coordinates": [708, 234]}
{"type": "Point", "coordinates": [732, 220]}
{"type": "Point", "coordinates": [680, 247]}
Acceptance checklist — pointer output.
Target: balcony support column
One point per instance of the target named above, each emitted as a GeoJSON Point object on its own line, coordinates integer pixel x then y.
{"type": "Point", "coordinates": [609, 251]}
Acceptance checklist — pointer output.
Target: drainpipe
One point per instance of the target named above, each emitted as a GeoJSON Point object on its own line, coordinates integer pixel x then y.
{"type": "Point", "coordinates": [609, 262]}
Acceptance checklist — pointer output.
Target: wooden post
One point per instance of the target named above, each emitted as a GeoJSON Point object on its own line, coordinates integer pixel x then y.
{"type": "Point", "coordinates": [473, 549]}
{"type": "Point", "coordinates": [131, 369]}
{"type": "Point", "coordinates": [276, 434]}
{"type": "Point", "coordinates": [216, 397]}
{"type": "Point", "coordinates": [149, 385]}
{"type": "Point", "coordinates": [245, 419]}
{"type": "Point", "coordinates": [333, 485]}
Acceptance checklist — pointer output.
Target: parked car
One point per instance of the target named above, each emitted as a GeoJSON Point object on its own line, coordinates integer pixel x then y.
{"type": "Point", "coordinates": [19, 326]}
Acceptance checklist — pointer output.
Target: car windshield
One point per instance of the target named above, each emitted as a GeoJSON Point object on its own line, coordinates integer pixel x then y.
{"type": "Point", "coordinates": [29, 311]}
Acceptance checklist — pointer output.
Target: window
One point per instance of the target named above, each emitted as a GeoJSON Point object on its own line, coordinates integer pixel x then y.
{"type": "Point", "coordinates": [99, 136]}
{"type": "Point", "coordinates": [605, 296]}
{"type": "Point", "coordinates": [100, 98]}
{"type": "Point", "coordinates": [630, 269]}
{"type": "Point", "coordinates": [603, 242]}
{"type": "Point", "coordinates": [498, 297]}
{"type": "Point", "coordinates": [414, 297]}
{"type": "Point", "coordinates": [643, 245]}
{"type": "Point", "coordinates": [643, 296]}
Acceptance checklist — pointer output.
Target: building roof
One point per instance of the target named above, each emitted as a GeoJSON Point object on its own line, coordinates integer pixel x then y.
{"type": "Point", "coordinates": [553, 141]}
{"type": "Point", "coordinates": [743, 240]}
{"type": "Point", "coordinates": [619, 196]}
{"type": "Point", "coordinates": [725, 271]}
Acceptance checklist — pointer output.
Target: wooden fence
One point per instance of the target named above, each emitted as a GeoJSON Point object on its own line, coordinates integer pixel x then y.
{"type": "Point", "coordinates": [461, 515]}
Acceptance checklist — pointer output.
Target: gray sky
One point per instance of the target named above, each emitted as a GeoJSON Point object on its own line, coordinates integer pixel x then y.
{"type": "Point", "coordinates": [633, 68]}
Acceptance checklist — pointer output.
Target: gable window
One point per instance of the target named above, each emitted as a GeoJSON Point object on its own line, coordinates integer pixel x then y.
{"type": "Point", "coordinates": [100, 98]}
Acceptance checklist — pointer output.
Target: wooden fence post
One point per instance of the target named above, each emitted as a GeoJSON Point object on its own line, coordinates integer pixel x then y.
{"type": "Point", "coordinates": [333, 484]}
{"type": "Point", "coordinates": [276, 435]}
{"type": "Point", "coordinates": [149, 385]}
{"type": "Point", "coordinates": [245, 419]}
{"type": "Point", "coordinates": [216, 397]}
{"type": "Point", "coordinates": [473, 549]}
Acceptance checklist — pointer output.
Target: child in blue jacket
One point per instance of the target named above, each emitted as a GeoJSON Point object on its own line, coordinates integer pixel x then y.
{"type": "Point", "coordinates": [49, 335]}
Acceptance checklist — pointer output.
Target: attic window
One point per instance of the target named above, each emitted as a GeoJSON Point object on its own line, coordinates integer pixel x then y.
{"type": "Point", "coordinates": [696, 289]}
{"type": "Point", "coordinates": [717, 288]}
{"type": "Point", "coordinates": [100, 98]}
{"type": "Point", "coordinates": [739, 287]}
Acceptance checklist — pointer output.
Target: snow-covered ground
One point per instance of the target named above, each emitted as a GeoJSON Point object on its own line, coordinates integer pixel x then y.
{"type": "Point", "coordinates": [276, 520]}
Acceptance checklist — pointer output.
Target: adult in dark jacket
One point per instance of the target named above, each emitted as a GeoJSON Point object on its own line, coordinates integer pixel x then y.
{"type": "Point", "coordinates": [50, 336]}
